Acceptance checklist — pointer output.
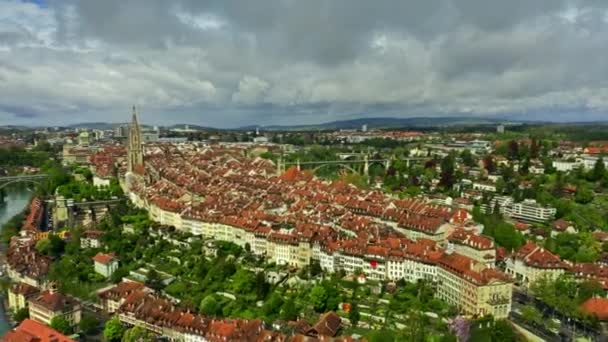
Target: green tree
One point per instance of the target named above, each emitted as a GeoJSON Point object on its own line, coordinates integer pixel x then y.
{"type": "Point", "coordinates": [531, 314]}
{"type": "Point", "coordinates": [289, 310]}
{"type": "Point", "coordinates": [599, 170]}
{"type": "Point", "coordinates": [60, 324]}
{"type": "Point", "coordinates": [44, 246]}
{"type": "Point", "coordinates": [588, 289]}
{"type": "Point", "coordinates": [273, 305]}
{"type": "Point", "coordinates": [21, 315]}
{"type": "Point", "coordinates": [138, 334]}
{"type": "Point", "coordinates": [261, 285]}
{"type": "Point", "coordinates": [467, 158]}
{"type": "Point", "coordinates": [209, 306]}
{"type": "Point", "coordinates": [354, 315]}
{"type": "Point", "coordinates": [318, 298]}
{"type": "Point", "coordinates": [154, 280]}
{"type": "Point", "coordinates": [448, 177]}
{"type": "Point", "coordinates": [88, 324]}
{"type": "Point", "coordinates": [583, 195]}
{"type": "Point", "coordinates": [315, 268]}
{"type": "Point", "coordinates": [113, 330]}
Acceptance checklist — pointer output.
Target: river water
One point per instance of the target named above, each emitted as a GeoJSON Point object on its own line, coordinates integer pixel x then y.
{"type": "Point", "coordinates": [16, 200]}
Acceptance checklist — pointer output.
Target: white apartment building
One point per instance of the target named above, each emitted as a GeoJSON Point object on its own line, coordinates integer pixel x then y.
{"type": "Point", "coordinates": [527, 210]}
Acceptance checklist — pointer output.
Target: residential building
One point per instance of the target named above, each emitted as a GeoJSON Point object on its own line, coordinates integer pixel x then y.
{"type": "Point", "coordinates": [527, 210]}
{"type": "Point", "coordinates": [105, 264]}
{"type": "Point", "coordinates": [484, 186]}
{"type": "Point", "coordinates": [91, 238]}
{"type": "Point", "coordinates": [480, 248]}
{"type": "Point", "coordinates": [113, 296]}
{"type": "Point", "coordinates": [19, 295]}
{"type": "Point", "coordinates": [531, 262]}
{"type": "Point", "coordinates": [476, 290]}
{"type": "Point", "coordinates": [49, 304]}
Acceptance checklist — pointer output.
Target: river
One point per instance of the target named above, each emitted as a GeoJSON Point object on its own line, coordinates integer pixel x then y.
{"type": "Point", "coordinates": [16, 200]}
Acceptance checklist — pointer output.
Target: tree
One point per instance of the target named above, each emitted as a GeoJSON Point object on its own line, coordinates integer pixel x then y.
{"type": "Point", "coordinates": [21, 315]}
{"type": "Point", "coordinates": [261, 285]}
{"type": "Point", "coordinates": [315, 268]}
{"type": "Point", "coordinates": [354, 314]}
{"type": "Point", "coordinates": [273, 304]}
{"type": "Point", "coordinates": [60, 324]}
{"type": "Point", "coordinates": [153, 280]}
{"type": "Point", "coordinates": [138, 334]}
{"type": "Point", "coordinates": [467, 158]}
{"type": "Point", "coordinates": [488, 163]}
{"type": "Point", "coordinates": [599, 170]}
{"type": "Point", "coordinates": [44, 246]}
{"type": "Point", "coordinates": [588, 289]}
{"type": "Point", "coordinates": [513, 150]}
{"type": "Point", "coordinates": [209, 306]}
{"type": "Point", "coordinates": [531, 314]}
{"type": "Point", "coordinates": [88, 324]}
{"type": "Point", "coordinates": [113, 330]}
{"type": "Point", "coordinates": [447, 172]}
{"type": "Point", "coordinates": [583, 195]}
{"type": "Point", "coordinates": [318, 298]}
{"type": "Point", "coordinates": [289, 310]}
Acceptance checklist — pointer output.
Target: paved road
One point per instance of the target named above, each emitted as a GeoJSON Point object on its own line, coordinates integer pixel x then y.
{"type": "Point", "coordinates": [568, 326]}
{"type": "Point", "coordinates": [530, 337]}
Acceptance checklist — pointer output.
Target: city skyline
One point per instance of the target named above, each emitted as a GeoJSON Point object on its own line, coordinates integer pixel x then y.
{"type": "Point", "coordinates": [222, 64]}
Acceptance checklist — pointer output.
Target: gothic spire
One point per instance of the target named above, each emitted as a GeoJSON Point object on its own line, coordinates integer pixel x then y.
{"type": "Point", "coordinates": [134, 119]}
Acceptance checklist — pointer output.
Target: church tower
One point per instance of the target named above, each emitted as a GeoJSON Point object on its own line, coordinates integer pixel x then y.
{"type": "Point", "coordinates": [135, 157]}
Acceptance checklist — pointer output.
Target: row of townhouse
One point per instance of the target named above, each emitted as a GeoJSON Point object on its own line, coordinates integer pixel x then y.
{"type": "Point", "coordinates": [585, 162]}
{"type": "Point", "coordinates": [469, 282]}
{"type": "Point", "coordinates": [136, 305]}
{"type": "Point", "coordinates": [411, 261]}
{"type": "Point", "coordinates": [282, 248]}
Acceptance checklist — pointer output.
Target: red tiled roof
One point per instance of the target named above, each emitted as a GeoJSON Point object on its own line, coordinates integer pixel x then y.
{"type": "Point", "coordinates": [328, 325]}
{"type": "Point", "coordinates": [32, 331]}
{"type": "Point", "coordinates": [24, 289]}
{"type": "Point", "coordinates": [464, 237]}
{"type": "Point", "coordinates": [538, 257]}
{"type": "Point", "coordinates": [465, 268]}
{"type": "Point", "coordinates": [53, 301]}
{"type": "Point", "coordinates": [103, 258]}
{"type": "Point", "coordinates": [597, 307]}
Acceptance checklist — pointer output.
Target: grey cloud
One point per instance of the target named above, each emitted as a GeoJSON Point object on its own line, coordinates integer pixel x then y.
{"type": "Point", "coordinates": [228, 62]}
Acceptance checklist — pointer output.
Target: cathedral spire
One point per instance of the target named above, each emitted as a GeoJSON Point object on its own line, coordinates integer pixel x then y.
{"type": "Point", "coordinates": [135, 153]}
{"type": "Point", "coordinates": [134, 118]}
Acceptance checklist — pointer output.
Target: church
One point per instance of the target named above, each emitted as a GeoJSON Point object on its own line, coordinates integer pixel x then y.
{"type": "Point", "coordinates": [135, 153]}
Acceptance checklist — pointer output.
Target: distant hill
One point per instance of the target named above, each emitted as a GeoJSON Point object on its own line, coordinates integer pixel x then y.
{"type": "Point", "coordinates": [415, 122]}
{"type": "Point", "coordinates": [191, 126]}
{"type": "Point", "coordinates": [95, 125]}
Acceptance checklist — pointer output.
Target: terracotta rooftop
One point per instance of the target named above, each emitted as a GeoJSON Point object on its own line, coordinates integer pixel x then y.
{"type": "Point", "coordinates": [103, 258]}
{"type": "Point", "coordinates": [53, 301]}
{"type": "Point", "coordinates": [597, 307]}
{"type": "Point", "coordinates": [32, 331]}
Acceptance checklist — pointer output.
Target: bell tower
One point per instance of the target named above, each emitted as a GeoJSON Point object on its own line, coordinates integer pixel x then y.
{"type": "Point", "coordinates": [135, 152]}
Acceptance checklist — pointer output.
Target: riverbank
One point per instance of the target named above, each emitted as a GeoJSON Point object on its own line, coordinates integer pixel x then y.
{"type": "Point", "coordinates": [17, 198]}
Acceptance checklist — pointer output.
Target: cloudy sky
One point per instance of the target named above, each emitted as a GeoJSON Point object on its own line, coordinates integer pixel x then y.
{"type": "Point", "coordinates": [229, 63]}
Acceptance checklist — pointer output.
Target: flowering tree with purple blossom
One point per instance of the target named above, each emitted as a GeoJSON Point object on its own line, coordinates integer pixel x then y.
{"type": "Point", "coordinates": [461, 328]}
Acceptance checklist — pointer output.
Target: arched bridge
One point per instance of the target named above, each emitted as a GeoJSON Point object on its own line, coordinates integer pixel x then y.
{"type": "Point", "coordinates": [7, 180]}
{"type": "Point", "coordinates": [345, 163]}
